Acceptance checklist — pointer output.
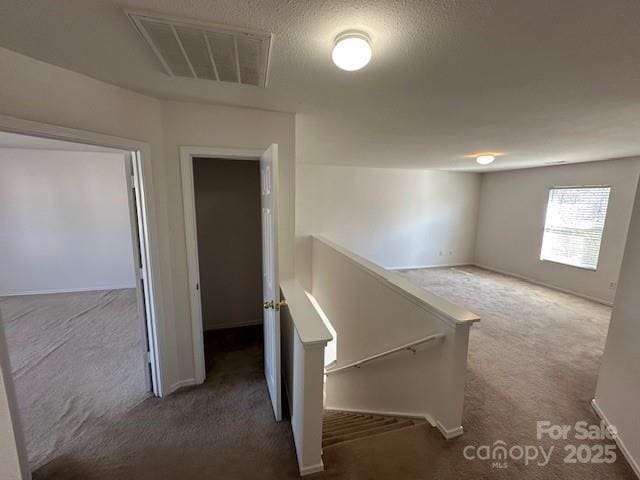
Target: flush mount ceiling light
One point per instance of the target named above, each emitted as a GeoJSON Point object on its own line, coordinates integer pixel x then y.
{"type": "Point", "coordinates": [352, 51]}
{"type": "Point", "coordinates": [485, 159]}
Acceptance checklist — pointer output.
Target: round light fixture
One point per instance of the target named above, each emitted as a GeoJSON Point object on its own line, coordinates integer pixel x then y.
{"type": "Point", "coordinates": [351, 51]}
{"type": "Point", "coordinates": [485, 159]}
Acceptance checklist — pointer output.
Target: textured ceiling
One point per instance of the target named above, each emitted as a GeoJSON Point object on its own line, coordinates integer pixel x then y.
{"type": "Point", "coordinates": [542, 81]}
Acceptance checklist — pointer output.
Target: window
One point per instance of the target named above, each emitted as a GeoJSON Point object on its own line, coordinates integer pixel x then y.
{"type": "Point", "coordinates": [574, 225]}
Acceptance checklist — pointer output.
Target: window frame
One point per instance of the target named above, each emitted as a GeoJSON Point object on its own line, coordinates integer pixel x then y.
{"type": "Point", "coordinates": [544, 226]}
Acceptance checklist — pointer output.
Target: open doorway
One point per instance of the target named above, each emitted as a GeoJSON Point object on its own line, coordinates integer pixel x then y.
{"type": "Point", "coordinates": [227, 197]}
{"type": "Point", "coordinates": [75, 290]}
{"type": "Point", "coordinates": [231, 220]}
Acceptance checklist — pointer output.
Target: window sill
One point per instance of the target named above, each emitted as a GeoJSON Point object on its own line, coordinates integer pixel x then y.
{"type": "Point", "coordinates": [588, 269]}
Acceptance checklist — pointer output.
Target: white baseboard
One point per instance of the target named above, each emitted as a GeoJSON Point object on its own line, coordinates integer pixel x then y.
{"type": "Point", "coordinates": [222, 326]}
{"type": "Point", "coordinates": [542, 284]}
{"type": "Point", "coordinates": [623, 448]}
{"type": "Point", "coordinates": [189, 382]}
{"type": "Point", "coordinates": [450, 433]}
{"type": "Point", "coordinates": [66, 290]}
{"type": "Point", "coordinates": [385, 413]}
{"type": "Point", "coordinates": [311, 469]}
{"type": "Point", "coordinates": [438, 265]}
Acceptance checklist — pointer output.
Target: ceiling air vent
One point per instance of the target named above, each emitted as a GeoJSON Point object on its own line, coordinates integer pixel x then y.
{"type": "Point", "coordinates": [191, 49]}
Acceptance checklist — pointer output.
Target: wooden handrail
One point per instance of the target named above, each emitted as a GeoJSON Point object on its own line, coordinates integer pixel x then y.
{"type": "Point", "coordinates": [407, 346]}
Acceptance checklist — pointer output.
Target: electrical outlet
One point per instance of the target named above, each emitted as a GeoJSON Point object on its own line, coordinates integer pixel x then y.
{"type": "Point", "coordinates": [613, 285]}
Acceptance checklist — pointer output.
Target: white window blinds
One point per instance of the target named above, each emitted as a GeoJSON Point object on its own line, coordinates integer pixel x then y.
{"type": "Point", "coordinates": [574, 225]}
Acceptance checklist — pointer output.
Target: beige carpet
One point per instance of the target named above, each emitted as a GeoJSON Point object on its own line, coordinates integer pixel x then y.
{"type": "Point", "coordinates": [533, 357]}
{"type": "Point", "coordinates": [223, 429]}
{"type": "Point", "coordinates": [77, 362]}
{"type": "Point", "coordinates": [342, 427]}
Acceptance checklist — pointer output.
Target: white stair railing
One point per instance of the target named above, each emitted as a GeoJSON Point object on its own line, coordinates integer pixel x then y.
{"type": "Point", "coordinates": [371, 309]}
{"type": "Point", "coordinates": [408, 346]}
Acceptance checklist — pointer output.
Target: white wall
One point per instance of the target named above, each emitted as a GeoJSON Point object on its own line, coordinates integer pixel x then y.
{"type": "Point", "coordinates": [187, 124]}
{"type": "Point", "coordinates": [618, 391]}
{"type": "Point", "coordinates": [393, 217]}
{"type": "Point", "coordinates": [361, 300]}
{"type": "Point", "coordinates": [511, 221]}
{"type": "Point", "coordinates": [34, 90]}
{"type": "Point", "coordinates": [64, 222]}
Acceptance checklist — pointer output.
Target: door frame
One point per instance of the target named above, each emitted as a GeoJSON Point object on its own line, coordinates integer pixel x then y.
{"type": "Point", "coordinates": [187, 154]}
{"type": "Point", "coordinates": [149, 253]}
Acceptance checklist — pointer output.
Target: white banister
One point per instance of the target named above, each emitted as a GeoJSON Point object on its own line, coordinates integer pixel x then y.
{"type": "Point", "coordinates": [407, 346]}
{"type": "Point", "coordinates": [373, 311]}
{"type": "Point", "coordinates": [304, 337]}
{"type": "Point", "coordinates": [434, 304]}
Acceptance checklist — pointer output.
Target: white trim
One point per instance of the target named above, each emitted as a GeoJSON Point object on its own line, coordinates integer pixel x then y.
{"type": "Point", "coordinates": [222, 326]}
{"type": "Point", "coordinates": [152, 254]}
{"type": "Point", "coordinates": [385, 413]}
{"type": "Point", "coordinates": [69, 290]}
{"type": "Point", "coordinates": [414, 267]}
{"type": "Point", "coordinates": [189, 382]}
{"type": "Point", "coordinates": [621, 445]}
{"type": "Point", "coordinates": [450, 433]}
{"type": "Point", "coordinates": [191, 238]}
{"type": "Point", "coordinates": [44, 130]}
{"type": "Point", "coordinates": [319, 467]}
{"type": "Point", "coordinates": [310, 327]}
{"type": "Point", "coordinates": [222, 152]}
{"type": "Point", "coordinates": [542, 284]}
{"type": "Point", "coordinates": [449, 313]}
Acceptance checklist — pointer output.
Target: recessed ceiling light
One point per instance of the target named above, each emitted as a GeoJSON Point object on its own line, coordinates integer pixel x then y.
{"type": "Point", "coordinates": [351, 51]}
{"type": "Point", "coordinates": [485, 159]}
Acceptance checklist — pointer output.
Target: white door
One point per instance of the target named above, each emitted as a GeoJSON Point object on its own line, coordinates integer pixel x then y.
{"type": "Point", "coordinates": [270, 278]}
{"type": "Point", "coordinates": [140, 243]}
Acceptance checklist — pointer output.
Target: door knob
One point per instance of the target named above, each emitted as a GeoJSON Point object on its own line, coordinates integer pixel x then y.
{"type": "Point", "coordinates": [268, 305]}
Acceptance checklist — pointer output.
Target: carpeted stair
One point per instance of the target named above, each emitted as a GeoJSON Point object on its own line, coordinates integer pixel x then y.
{"type": "Point", "coordinates": [339, 427]}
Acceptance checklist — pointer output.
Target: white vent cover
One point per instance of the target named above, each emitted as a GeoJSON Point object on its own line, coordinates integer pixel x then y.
{"type": "Point", "coordinates": [191, 49]}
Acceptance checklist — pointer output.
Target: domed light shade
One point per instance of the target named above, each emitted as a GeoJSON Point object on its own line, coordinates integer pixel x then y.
{"type": "Point", "coordinates": [485, 159]}
{"type": "Point", "coordinates": [352, 51]}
